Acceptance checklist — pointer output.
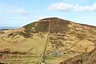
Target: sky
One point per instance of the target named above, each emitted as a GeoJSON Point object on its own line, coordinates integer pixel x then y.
{"type": "Point", "coordinates": [17, 13]}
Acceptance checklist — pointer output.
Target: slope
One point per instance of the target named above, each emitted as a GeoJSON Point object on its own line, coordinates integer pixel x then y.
{"type": "Point", "coordinates": [67, 39]}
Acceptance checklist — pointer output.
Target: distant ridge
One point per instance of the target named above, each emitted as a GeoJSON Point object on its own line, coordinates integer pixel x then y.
{"type": "Point", "coordinates": [1, 28]}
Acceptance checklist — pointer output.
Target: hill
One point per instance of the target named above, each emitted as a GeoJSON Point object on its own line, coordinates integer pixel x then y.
{"type": "Point", "coordinates": [66, 39]}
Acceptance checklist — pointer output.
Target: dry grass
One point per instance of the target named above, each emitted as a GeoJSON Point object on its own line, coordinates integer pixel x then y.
{"type": "Point", "coordinates": [63, 35]}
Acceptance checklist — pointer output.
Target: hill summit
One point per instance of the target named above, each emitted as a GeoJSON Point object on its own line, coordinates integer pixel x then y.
{"type": "Point", "coordinates": [56, 24]}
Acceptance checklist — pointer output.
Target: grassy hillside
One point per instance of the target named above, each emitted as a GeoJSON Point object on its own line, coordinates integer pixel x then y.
{"type": "Point", "coordinates": [66, 39]}
{"type": "Point", "coordinates": [88, 58]}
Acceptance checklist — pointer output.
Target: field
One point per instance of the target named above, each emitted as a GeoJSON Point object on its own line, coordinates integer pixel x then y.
{"type": "Point", "coordinates": [28, 59]}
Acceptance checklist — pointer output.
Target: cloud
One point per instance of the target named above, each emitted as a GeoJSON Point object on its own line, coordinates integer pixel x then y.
{"type": "Point", "coordinates": [12, 15]}
{"type": "Point", "coordinates": [94, 7]}
{"type": "Point", "coordinates": [19, 11]}
{"type": "Point", "coordinates": [77, 8]}
{"type": "Point", "coordinates": [60, 6]}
